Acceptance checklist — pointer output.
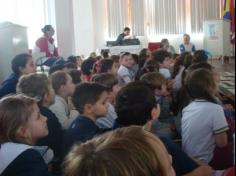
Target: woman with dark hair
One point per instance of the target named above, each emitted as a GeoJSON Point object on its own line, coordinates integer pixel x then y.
{"type": "Point", "coordinates": [21, 64]}
{"type": "Point", "coordinates": [46, 45]}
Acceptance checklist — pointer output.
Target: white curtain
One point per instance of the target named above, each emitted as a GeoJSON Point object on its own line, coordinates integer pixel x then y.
{"type": "Point", "coordinates": [33, 14]}
{"type": "Point", "coordinates": [137, 17]}
{"type": "Point", "coordinates": [166, 16]}
{"type": "Point", "coordinates": [202, 10]}
{"type": "Point", "coordinates": [118, 16]}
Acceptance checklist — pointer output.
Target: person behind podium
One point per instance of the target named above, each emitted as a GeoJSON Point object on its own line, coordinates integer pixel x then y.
{"type": "Point", "coordinates": [125, 35]}
{"type": "Point", "coordinates": [46, 45]}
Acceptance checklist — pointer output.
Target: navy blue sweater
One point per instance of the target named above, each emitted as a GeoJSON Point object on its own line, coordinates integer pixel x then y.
{"type": "Point", "coordinates": [29, 163]}
{"type": "Point", "coordinates": [54, 137]}
{"type": "Point", "coordinates": [9, 85]}
{"type": "Point", "coordinates": [81, 130]}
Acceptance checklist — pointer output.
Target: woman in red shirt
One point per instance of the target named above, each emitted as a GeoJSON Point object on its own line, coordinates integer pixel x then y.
{"type": "Point", "coordinates": [47, 46]}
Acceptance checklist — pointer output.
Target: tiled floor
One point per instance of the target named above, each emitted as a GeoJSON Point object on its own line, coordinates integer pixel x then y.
{"type": "Point", "coordinates": [222, 68]}
{"type": "Point", "coordinates": [229, 67]}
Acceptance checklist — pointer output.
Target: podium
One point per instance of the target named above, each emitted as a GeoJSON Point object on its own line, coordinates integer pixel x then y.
{"type": "Point", "coordinates": [13, 41]}
{"type": "Point", "coordinates": [217, 37]}
{"type": "Point", "coordinates": [117, 50]}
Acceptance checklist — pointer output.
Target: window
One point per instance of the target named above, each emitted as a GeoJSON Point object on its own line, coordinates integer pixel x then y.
{"type": "Point", "coordinates": [118, 16]}
{"type": "Point", "coordinates": [200, 12]}
{"type": "Point", "coordinates": [137, 10]}
{"type": "Point", "coordinates": [33, 14]}
{"type": "Point", "coordinates": [161, 17]}
{"type": "Point", "coordinates": [166, 16]}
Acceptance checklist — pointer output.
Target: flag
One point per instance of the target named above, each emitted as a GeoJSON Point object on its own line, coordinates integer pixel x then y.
{"type": "Point", "coordinates": [229, 14]}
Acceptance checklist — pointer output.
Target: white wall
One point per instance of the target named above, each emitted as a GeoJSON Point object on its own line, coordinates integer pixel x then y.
{"type": "Point", "coordinates": [100, 23]}
{"type": "Point", "coordinates": [65, 27]}
{"type": "Point", "coordinates": [84, 26]}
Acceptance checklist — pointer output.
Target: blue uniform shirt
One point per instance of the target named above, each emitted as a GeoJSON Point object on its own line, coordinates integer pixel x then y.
{"type": "Point", "coordinates": [9, 85]}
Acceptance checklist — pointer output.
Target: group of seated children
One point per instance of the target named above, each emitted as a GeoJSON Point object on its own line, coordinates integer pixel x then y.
{"type": "Point", "coordinates": [128, 115]}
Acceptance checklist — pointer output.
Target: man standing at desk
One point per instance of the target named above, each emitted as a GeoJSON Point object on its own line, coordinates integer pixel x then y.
{"type": "Point", "coordinates": [123, 36]}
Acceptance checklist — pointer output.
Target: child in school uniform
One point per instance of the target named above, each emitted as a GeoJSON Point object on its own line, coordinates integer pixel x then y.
{"type": "Point", "coordinates": [136, 105]}
{"type": "Point", "coordinates": [125, 71]}
{"type": "Point", "coordinates": [21, 64]}
{"type": "Point", "coordinates": [164, 60]}
{"type": "Point", "coordinates": [21, 125]}
{"type": "Point", "coordinates": [222, 157]}
{"type": "Point", "coordinates": [90, 99]}
{"type": "Point", "coordinates": [204, 126]}
{"type": "Point", "coordinates": [111, 82]}
{"type": "Point", "coordinates": [39, 86]}
{"type": "Point", "coordinates": [64, 89]}
{"type": "Point", "coordinates": [149, 67]}
{"type": "Point", "coordinates": [159, 84]}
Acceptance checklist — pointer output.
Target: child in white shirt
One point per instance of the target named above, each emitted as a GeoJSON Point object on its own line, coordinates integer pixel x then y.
{"type": "Point", "coordinates": [204, 125]}
{"type": "Point", "coordinates": [125, 71]}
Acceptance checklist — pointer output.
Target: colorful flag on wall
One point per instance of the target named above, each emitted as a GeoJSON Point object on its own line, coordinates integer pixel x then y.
{"type": "Point", "coordinates": [229, 14]}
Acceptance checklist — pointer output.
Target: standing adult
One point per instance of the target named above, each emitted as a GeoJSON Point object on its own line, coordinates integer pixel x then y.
{"type": "Point", "coordinates": [187, 46]}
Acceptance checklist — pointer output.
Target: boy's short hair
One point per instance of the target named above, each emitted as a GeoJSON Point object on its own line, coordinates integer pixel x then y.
{"type": "Point", "coordinates": [56, 68]}
{"type": "Point", "coordinates": [105, 65]}
{"type": "Point", "coordinates": [105, 79]}
{"type": "Point", "coordinates": [160, 55]}
{"type": "Point", "coordinates": [151, 66]}
{"type": "Point", "coordinates": [58, 79]}
{"type": "Point", "coordinates": [18, 61]}
{"type": "Point", "coordinates": [115, 58]}
{"type": "Point", "coordinates": [34, 85]}
{"type": "Point", "coordinates": [87, 93]}
{"type": "Point", "coordinates": [127, 29]}
{"type": "Point", "coordinates": [155, 80]}
{"type": "Point", "coordinates": [134, 104]}
{"type": "Point", "coordinates": [76, 76]}
{"type": "Point", "coordinates": [72, 59]}
{"type": "Point", "coordinates": [125, 54]}
{"type": "Point", "coordinates": [15, 111]}
{"type": "Point", "coordinates": [87, 66]}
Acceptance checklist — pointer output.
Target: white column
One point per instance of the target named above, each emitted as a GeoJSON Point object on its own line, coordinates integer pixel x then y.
{"type": "Point", "coordinates": [100, 23]}
{"type": "Point", "coordinates": [65, 27]}
{"type": "Point", "coordinates": [83, 26]}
